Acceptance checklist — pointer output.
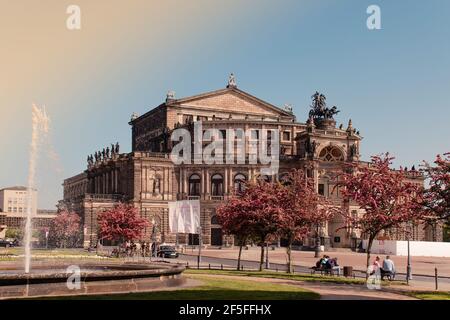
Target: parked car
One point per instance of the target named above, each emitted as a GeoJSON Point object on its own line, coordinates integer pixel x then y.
{"type": "Point", "coordinates": [6, 243]}
{"type": "Point", "coordinates": [167, 252]}
{"type": "Point", "coordinates": [16, 243]}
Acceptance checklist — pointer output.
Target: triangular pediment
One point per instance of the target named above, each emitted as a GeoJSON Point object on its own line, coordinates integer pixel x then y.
{"type": "Point", "coordinates": [231, 100]}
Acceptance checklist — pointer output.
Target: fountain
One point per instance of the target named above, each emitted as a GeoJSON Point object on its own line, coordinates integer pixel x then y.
{"type": "Point", "coordinates": [55, 278]}
{"type": "Point", "coordinates": [39, 129]}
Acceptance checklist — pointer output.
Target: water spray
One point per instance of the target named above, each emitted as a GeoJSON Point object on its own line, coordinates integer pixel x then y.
{"type": "Point", "coordinates": [40, 127]}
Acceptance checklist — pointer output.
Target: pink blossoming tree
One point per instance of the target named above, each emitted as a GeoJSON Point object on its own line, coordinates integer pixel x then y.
{"type": "Point", "coordinates": [65, 229]}
{"type": "Point", "coordinates": [388, 199]}
{"type": "Point", "coordinates": [121, 223]}
{"type": "Point", "coordinates": [437, 195]}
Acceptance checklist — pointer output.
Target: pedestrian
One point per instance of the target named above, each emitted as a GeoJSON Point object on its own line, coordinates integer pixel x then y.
{"type": "Point", "coordinates": [388, 268]}
{"type": "Point", "coordinates": [376, 265]}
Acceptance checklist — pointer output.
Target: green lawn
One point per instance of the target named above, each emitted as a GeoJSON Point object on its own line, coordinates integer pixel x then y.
{"type": "Point", "coordinates": [214, 289]}
{"type": "Point", "coordinates": [280, 275]}
{"type": "Point", "coordinates": [284, 275]}
{"type": "Point", "coordinates": [41, 251]}
{"type": "Point", "coordinates": [12, 253]}
{"type": "Point", "coordinates": [430, 295]}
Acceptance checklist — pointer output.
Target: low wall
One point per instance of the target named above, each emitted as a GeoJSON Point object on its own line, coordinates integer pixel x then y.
{"type": "Point", "coordinates": [97, 278]}
{"type": "Point", "coordinates": [417, 248]}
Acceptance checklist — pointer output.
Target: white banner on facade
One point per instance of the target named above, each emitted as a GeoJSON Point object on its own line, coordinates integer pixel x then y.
{"type": "Point", "coordinates": [184, 216]}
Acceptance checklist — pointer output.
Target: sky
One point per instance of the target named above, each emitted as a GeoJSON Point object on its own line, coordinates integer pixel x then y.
{"type": "Point", "coordinates": [394, 83]}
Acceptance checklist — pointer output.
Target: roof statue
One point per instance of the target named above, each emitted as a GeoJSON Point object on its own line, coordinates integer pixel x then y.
{"type": "Point", "coordinates": [350, 126]}
{"type": "Point", "coordinates": [231, 81]}
{"type": "Point", "coordinates": [319, 110]}
{"type": "Point", "coordinates": [134, 116]}
{"type": "Point", "coordinates": [170, 95]}
{"type": "Point", "coordinates": [288, 107]}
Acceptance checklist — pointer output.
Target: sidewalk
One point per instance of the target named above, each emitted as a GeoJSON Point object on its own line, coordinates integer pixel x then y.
{"type": "Point", "coordinates": [421, 286]}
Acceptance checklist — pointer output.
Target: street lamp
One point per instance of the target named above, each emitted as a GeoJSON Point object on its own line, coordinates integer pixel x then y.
{"type": "Point", "coordinates": [200, 243]}
{"type": "Point", "coordinates": [317, 248]}
{"type": "Point", "coordinates": [408, 266]}
{"type": "Point", "coordinates": [46, 239]}
{"type": "Point", "coordinates": [153, 253]}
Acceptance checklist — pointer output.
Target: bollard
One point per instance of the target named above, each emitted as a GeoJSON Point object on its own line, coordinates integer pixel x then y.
{"type": "Point", "coordinates": [209, 266]}
{"type": "Point", "coordinates": [276, 269]}
{"type": "Point", "coordinates": [221, 267]}
{"type": "Point", "coordinates": [436, 278]}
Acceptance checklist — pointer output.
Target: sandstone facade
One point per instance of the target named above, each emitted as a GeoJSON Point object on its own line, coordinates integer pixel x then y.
{"type": "Point", "coordinates": [147, 177]}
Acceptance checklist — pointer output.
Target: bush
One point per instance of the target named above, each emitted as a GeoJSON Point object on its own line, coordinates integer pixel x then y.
{"type": "Point", "coordinates": [14, 233]}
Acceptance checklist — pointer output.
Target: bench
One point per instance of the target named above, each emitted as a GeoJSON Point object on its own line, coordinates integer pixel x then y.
{"type": "Point", "coordinates": [335, 270]}
{"type": "Point", "coordinates": [389, 275]}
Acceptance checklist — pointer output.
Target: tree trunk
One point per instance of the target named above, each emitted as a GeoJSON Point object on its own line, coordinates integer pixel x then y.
{"type": "Point", "coordinates": [289, 254]}
{"type": "Point", "coordinates": [261, 261]}
{"type": "Point", "coordinates": [369, 248]}
{"type": "Point", "coordinates": [239, 256]}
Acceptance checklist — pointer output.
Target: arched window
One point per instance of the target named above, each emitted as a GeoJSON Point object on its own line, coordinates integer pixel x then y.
{"type": "Point", "coordinates": [214, 220]}
{"type": "Point", "coordinates": [194, 185]}
{"type": "Point", "coordinates": [239, 182]}
{"type": "Point", "coordinates": [217, 185]}
{"type": "Point", "coordinates": [331, 154]}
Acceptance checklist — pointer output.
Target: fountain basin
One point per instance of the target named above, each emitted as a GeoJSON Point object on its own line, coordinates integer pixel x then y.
{"type": "Point", "coordinates": [104, 278]}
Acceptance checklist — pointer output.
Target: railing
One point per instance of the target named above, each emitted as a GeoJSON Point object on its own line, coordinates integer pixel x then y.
{"type": "Point", "coordinates": [330, 132]}
{"type": "Point", "coordinates": [212, 198]}
{"type": "Point", "coordinates": [154, 154]}
{"type": "Point", "coordinates": [95, 196]}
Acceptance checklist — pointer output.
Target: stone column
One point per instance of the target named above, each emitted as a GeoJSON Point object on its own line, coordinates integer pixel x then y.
{"type": "Point", "coordinates": [231, 181]}
{"type": "Point", "coordinates": [116, 187]}
{"type": "Point", "coordinates": [185, 182]}
{"type": "Point", "coordinates": [111, 181]}
{"type": "Point", "coordinates": [117, 181]}
{"type": "Point", "coordinates": [208, 184]}
{"type": "Point", "coordinates": [225, 189]}
{"type": "Point", "coordinates": [180, 181]}
{"type": "Point", "coordinates": [164, 183]}
{"type": "Point", "coordinates": [106, 182]}
{"type": "Point", "coordinates": [203, 184]}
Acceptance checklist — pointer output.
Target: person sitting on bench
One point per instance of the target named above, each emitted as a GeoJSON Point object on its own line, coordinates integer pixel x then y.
{"type": "Point", "coordinates": [321, 263]}
{"type": "Point", "coordinates": [388, 269]}
{"type": "Point", "coordinates": [332, 265]}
